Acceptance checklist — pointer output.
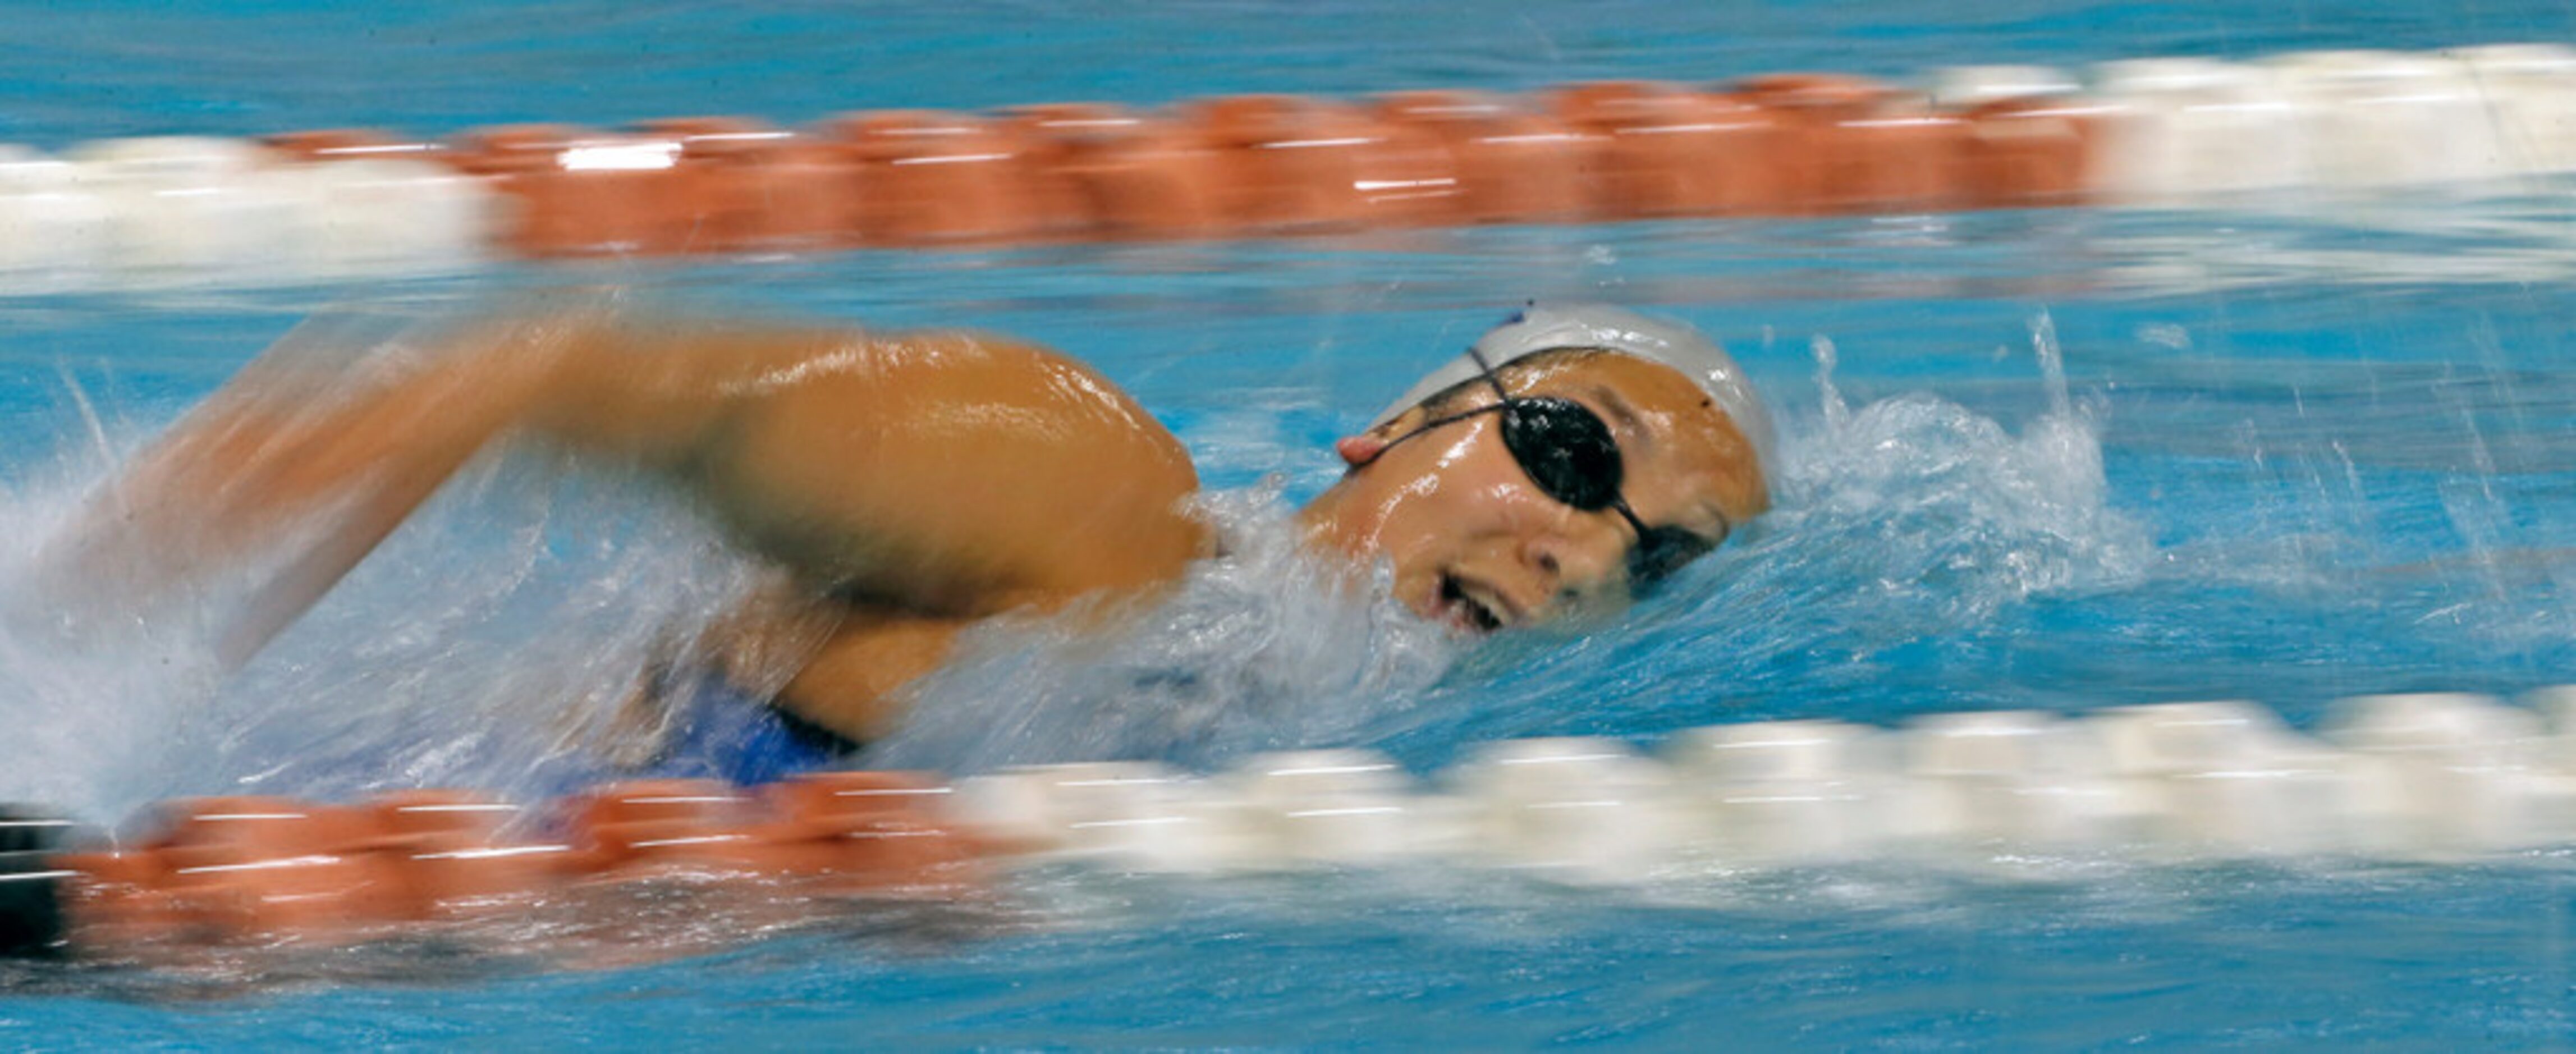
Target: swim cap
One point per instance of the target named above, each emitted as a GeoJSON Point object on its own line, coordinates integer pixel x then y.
{"type": "Point", "coordinates": [1557, 326]}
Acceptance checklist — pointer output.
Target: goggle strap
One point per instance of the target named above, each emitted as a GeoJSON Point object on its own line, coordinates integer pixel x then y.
{"type": "Point", "coordinates": [1428, 426]}
{"type": "Point", "coordinates": [1486, 370]}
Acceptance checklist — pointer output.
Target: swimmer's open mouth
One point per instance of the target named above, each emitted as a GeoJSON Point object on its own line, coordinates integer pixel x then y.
{"type": "Point", "coordinates": [1466, 611]}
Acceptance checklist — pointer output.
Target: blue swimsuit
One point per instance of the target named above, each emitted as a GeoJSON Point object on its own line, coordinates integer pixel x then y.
{"type": "Point", "coordinates": [723, 731]}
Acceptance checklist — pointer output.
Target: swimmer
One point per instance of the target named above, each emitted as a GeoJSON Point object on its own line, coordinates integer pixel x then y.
{"type": "Point", "coordinates": [910, 485]}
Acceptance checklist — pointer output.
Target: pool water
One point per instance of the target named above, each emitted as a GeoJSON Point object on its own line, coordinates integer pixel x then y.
{"type": "Point", "coordinates": [2054, 460]}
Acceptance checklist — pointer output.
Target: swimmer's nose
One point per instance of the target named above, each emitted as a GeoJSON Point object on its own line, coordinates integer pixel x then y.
{"type": "Point", "coordinates": [1583, 562]}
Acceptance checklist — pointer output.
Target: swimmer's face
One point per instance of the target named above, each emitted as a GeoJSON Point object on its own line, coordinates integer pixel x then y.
{"type": "Point", "coordinates": [1475, 544]}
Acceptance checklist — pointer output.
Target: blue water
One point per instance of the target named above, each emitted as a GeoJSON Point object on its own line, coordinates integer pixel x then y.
{"type": "Point", "coordinates": [2321, 449]}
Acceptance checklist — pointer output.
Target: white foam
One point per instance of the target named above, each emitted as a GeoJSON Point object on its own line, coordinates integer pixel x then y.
{"type": "Point", "coordinates": [1265, 648]}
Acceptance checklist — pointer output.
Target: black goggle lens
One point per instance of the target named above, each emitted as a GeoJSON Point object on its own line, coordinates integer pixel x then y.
{"type": "Point", "coordinates": [1566, 450]}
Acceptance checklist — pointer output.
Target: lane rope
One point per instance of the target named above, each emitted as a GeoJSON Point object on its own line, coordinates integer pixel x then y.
{"type": "Point", "coordinates": [340, 205]}
{"type": "Point", "coordinates": [2437, 778]}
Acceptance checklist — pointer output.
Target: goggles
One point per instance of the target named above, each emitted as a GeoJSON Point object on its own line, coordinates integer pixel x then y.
{"type": "Point", "coordinates": [1569, 454]}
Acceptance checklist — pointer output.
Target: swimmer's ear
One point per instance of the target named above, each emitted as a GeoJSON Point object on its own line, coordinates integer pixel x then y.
{"type": "Point", "coordinates": [1360, 449]}
{"type": "Point", "coordinates": [1357, 451]}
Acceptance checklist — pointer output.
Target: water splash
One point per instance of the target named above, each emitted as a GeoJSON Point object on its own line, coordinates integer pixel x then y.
{"type": "Point", "coordinates": [489, 643]}
{"type": "Point", "coordinates": [494, 643]}
{"type": "Point", "coordinates": [1900, 527]}
{"type": "Point", "coordinates": [93, 727]}
{"type": "Point", "coordinates": [1940, 502]}
{"type": "Point", "coordinates": [1265, 648]}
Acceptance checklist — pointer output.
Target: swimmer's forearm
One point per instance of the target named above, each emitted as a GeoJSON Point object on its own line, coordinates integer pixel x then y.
{"type": "Point", "coordinates": [259, 464]}
{"type": "Point", "coordinates": [264, 461]}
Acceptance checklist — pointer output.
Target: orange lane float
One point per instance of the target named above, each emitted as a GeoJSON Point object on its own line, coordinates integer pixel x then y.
{"type": "Point", "coordinates": [578, 192]}
{"type": "Point", "coordinates": [1102, 171]}
{"type": "Point", "coordinates": [263, 868]}
{"type": "Point", "coordinates": [1511, 165]}
{"type": "Point", "coordinates": [266, 865]}
{"type": "Point", "coordinates": [452, 856]}
{"type": "Point", "coordinates": [2031, 151]}
{"type": "Point", "coordinates": [928, 177]}
{"type": "Point", "coordinates": [749, 187]}
{"type": "Point", "coordinates": [873, 831]}
{"type": "Point", "coordinates": [112, 898]}
{"type": "Point", "coordinates": [1295, 165]}
{"type": "Point", "coordinates": [1262, 165]}
{"type": "Point", "coordinates": [1855, 145]}
{"type": "Point", "coordinates": [1256, 166]}
{"type": "Point", "coordinates": [1668, 151]}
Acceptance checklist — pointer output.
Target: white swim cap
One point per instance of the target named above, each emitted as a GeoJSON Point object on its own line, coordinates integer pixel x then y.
{"type": "Point", "coordinates": [1557, 326]}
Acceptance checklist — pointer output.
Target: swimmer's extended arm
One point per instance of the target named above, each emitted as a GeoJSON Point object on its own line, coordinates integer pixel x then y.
{"type": "Point", "coordinates": [260, 462]}
{"type": "Point", "coordinates": [935, 479]}
{"type": "Point", "coordinates": [267, 463]}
